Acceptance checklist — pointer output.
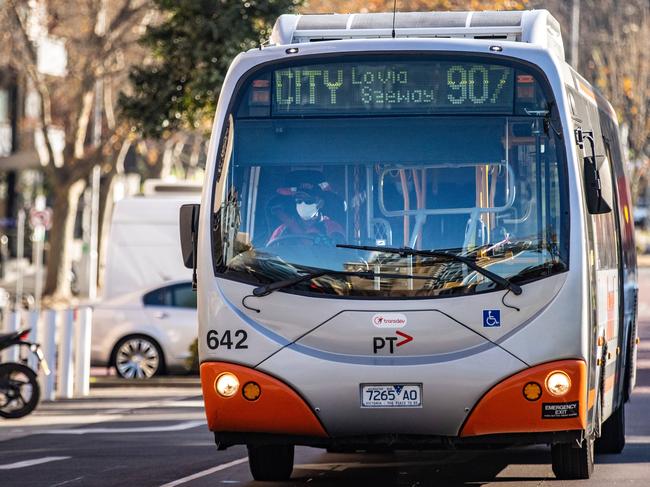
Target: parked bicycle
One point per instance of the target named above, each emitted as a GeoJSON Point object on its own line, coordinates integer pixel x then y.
{"type": "Point", "coordinates": [19, 389]}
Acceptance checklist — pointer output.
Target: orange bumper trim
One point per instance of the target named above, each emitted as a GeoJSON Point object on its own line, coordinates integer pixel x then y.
{"type": "Point", "coordinates": [504, 409]}
{"type": "Point", "coordinates": [279, 408]}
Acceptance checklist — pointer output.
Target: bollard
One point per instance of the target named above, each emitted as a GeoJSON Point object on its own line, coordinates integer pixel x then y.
{"type": "Point", "coordinates": [49, 351]}
{"type": "Point", "coordinates": [12, 325]}
{"type": "Point", "coordinates": [82, 355]}
{"type": "Point", "coordinates": [32, 320]}
{"type": "Point", "coordinates": [66, 336]}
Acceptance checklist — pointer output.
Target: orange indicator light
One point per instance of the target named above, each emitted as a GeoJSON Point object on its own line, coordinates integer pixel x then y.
{"type": "Point", "coordinates": [251, 391]}
{"type": "Point", "coordinates": [532, 391]}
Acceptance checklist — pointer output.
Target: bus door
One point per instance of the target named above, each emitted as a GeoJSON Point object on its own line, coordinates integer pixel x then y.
{"type": "Point", "coordinates": [604, 261]}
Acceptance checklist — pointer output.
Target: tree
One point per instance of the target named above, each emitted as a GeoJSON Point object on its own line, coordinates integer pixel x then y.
{"type": "Point", "coordinates": [99, 38]}
{"type": "Point", "coordinates": [191, 50]}
{"type": "Point", "coordinates": [613, 46]}
{"type": "Point", "coordinates": [354, 6]}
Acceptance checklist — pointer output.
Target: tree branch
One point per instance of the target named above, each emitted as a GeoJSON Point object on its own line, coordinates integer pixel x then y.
{"type": "Point", "coordinates": [126, 18]}
{"type": "Point", "coordinates": [29, 60]}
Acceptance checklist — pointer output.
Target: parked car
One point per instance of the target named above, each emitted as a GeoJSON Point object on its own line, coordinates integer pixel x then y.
{"type": "Point", "coordinates": [145, 333]}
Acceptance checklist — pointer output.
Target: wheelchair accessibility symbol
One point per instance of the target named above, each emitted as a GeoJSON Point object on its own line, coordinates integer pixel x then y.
{"type": "Point", "coordinates": [491, 318]}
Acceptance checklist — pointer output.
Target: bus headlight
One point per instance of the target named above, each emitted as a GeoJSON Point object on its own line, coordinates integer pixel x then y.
{"type": "Point", "coordinates": [558, 383]}
{"type": "Point", "coordinates": [226, 384]}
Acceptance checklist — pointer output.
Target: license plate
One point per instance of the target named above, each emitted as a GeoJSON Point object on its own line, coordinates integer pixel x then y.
{"type": "Point", "coordinates": [391, 395]}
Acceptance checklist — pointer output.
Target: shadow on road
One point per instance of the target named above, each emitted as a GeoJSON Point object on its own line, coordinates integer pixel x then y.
{"type": "Point", "coordinates": [418, 469]}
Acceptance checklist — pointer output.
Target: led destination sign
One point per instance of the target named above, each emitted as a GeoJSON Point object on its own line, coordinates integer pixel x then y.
{"type": "Point", "coordinates": [404, 87]}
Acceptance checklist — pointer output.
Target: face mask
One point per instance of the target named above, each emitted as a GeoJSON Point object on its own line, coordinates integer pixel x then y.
{"type": "Point", "coordinates": [307, 212]}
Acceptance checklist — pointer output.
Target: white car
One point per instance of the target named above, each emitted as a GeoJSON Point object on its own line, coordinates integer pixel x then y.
{"type": "Point", "coordinates": [147, 332]}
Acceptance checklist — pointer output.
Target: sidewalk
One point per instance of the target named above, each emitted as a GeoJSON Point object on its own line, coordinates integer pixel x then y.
{"type": "Point", "coordinates": [117, 402]}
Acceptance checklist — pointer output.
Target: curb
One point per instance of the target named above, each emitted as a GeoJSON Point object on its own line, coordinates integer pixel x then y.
{"type": "Point", "coordinates": [114, 382]}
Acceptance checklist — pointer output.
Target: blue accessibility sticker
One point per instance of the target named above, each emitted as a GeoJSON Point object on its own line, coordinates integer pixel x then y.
{"type": "Point", "coordinates": [491, 318]}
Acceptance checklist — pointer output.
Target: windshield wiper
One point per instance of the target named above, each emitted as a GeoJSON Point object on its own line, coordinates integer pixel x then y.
{"type": "Point", "coordinates": [267, 289]}
{"type": "Point", "coordinates": [406, 251]}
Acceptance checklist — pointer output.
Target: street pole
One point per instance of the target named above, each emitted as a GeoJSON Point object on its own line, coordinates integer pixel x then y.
{"type": "Point", "coordinates": [93, 259]}
{"type": "Point", "coordinates": [20, 254]}
{"type": "Point", "coordinates": [575, 32]}
{"type": "Point", "coordinates": [93, 256]}
{"type": "Point", "coordinates": [39, 240]}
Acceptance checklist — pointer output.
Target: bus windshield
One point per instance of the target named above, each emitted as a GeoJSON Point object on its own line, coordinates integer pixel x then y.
{"type": "Point", "coordinates": [462, 157]}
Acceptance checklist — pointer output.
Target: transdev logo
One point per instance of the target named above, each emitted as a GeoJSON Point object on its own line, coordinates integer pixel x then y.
{"type": "Point", "coordinates": [389, 320]}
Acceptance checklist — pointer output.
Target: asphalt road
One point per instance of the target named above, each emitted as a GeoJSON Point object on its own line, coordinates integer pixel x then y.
{"type": "Point", "coordinates": [156, 436]}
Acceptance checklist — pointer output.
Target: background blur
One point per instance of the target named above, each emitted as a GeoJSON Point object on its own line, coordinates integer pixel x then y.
{"type": "Point", "coordinates": [97, 97]}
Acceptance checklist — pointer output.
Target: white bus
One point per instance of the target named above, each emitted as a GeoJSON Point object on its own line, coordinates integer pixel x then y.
{"type": "Point", "coordinates": [415, 232]}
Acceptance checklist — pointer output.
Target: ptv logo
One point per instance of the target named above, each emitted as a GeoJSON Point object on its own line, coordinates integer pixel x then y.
{"type": "Point", "coordinates": [380, 343]}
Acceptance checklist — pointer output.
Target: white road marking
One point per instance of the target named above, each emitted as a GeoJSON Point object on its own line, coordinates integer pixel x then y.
{"type": "Point", "coordinates": [203, 473]}
{"type": "Point", "coordinates": [30, 463]}
{"type": "Point", "coordinates": [76, 479]}
{"type": "Point", "coordinates": [637, 439]}
{"type": "Point", "coordinates": [145, 429]}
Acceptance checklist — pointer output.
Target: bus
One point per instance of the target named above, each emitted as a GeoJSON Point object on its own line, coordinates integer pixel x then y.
{"type": "Point", "coordinates": [415, 232]}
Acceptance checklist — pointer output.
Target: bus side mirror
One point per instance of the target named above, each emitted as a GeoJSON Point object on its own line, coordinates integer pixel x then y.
{"type": "Point", "coordinates": [189, 226]}
{"type": "Point", "coordinates": [596, 204]}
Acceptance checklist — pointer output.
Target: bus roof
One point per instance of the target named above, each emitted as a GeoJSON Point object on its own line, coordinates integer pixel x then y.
{"type": "Point", "coordinates": [532, 26]}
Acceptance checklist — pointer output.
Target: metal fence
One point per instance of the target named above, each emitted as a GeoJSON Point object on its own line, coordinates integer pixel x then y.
{"type": "Point", "coordinates": [64, 336]}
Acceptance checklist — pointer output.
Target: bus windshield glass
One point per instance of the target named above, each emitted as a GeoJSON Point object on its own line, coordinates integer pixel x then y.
{"type": "Point", "coordinates": [426, 153]}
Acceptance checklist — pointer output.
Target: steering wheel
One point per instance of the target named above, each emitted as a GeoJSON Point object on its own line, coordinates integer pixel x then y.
{"type": "Point", "coordinates": [320, 240]}
{"type": "Point", "coordinates": [289, 237]}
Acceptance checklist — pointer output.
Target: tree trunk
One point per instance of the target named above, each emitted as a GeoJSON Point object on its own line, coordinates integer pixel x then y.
{"type": "Point", "coordinates": [59, 263]}
{"type": "Point", "coordinates": [105, 213]}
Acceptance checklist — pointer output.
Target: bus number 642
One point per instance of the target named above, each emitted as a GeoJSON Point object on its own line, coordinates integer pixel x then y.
{"type": "Point", "coordinates": [226, 340]}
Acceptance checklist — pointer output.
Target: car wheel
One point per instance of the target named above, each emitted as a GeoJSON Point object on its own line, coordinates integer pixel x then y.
{"type": "Point", "coordinates": [137, 357]}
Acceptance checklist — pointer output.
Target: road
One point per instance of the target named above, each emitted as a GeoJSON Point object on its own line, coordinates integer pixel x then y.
{"type": "Point", "coordinates": [155, 436]}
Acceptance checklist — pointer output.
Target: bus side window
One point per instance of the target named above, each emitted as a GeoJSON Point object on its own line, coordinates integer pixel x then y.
{"type": "Point", "coordinates": [604, 225]}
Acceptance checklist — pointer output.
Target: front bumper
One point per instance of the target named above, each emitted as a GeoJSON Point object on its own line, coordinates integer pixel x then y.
{"type": "Point", "coordinates": [503, 412]}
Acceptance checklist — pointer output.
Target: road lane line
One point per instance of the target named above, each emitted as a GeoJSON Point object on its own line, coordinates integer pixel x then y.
{"type": "Point", "coordinates": [65, 482]}
{"type": "Point", "coordinates": [203, 473]}
{"type": "Point", "coordinates": [30, 463]}
{"type": "Point", "coordinates": [637, 439]}
{"type": "Point", "coordinates": [145, 429]}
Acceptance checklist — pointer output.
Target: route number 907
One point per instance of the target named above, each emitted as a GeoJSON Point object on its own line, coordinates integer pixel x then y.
{"type": "Point", "coordinates": [214, 341]}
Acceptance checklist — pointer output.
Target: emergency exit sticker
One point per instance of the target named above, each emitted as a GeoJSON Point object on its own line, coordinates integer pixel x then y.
{"type": "Point", "coordinates": [559, 410]}
{"type": "Point", "coordinates": [491, 318]}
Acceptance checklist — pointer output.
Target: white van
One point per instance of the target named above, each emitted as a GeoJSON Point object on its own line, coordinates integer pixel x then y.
{"type": "Point", "coordinates": [143, 244]}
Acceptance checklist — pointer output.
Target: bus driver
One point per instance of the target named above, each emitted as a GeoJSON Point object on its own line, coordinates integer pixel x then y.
{"type": "Point", "coordinates": [309, 221]}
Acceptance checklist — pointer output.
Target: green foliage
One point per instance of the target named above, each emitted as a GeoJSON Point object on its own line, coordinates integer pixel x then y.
{"type": "Point", "coordinates": [192, 362]}
{"type": "Point", "coordinates": [192, 48]}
